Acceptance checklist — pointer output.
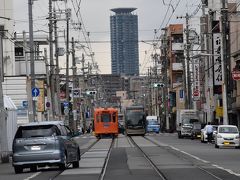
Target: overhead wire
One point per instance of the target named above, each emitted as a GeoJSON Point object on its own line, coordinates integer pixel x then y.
{"type": "Point", "coordinates": [161, 25]}
{"type": "Point", "coordinates": [84, 31]}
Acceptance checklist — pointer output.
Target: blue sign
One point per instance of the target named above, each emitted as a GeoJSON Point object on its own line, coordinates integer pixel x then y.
{"type": "Point", "coordinates": [65, 104]}
{"type": "Point", "coordinates": [25, 104]}
{"type": "Point", "coordinates": [181, 94]}
{"type": "Point", "coordinates": [35, 92]}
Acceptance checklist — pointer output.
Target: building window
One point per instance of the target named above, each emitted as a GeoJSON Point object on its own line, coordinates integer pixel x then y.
{"type": "Point", "coordinates": [19, 51]}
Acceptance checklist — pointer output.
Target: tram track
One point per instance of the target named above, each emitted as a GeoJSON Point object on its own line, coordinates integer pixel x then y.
{"type": "Point", "coordinates": [195, 165]}
{"type": "Point", "coordinates": [104, 168]}
{"type": "Point", "coordinates": [82, 153]}
{"type": "Point", "coordinates": [161, 175]}
{"type": "Point", "coordinates": [176, 153]}
{"type": "Point", "coordinates": [103, 172]}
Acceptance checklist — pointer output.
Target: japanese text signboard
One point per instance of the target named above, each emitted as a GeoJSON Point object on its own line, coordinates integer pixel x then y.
{"type": "Point", "coordinates": [217, 59]}
{"type": "Point", "coordinates": [196, 79]}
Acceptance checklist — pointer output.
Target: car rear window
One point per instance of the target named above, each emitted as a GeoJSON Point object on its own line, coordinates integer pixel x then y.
{"type": "Point", "coordinates": [152, 122]}
{"type": "Point", "coordinates": [37, 131]}
{"type": "Point", "coordinates": [228, 130]}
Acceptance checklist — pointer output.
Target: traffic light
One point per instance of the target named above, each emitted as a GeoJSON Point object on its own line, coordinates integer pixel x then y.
{"type": "Point", "coordinates": [158, 85]}
{"type": "Point", "coordinates": [91, 93]}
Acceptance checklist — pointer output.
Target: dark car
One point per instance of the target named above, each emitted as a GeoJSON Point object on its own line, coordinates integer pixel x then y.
{"type": "Point", "coordinates": [44, 143]}
{"type": "Point", "coordinates": [196, 131]}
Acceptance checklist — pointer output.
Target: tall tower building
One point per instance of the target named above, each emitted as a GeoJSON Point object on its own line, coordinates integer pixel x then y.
{"type": "Point", "coordinates": [124, 41]}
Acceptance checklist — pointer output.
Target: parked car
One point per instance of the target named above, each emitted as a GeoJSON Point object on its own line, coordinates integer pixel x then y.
{"type": "Point", "coordinates": [204, 133]}
{"type": "Point", "coordinates": [227, 136]}
{"type": "Point", "coordinates": [196, 131]}
{"type": "Point", "coordinates": [44, 143]}
{"type": "Point", "coordinates": [153, 126]}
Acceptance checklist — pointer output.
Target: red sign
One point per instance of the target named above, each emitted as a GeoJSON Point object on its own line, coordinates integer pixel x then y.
{"type": "Point", "coordinates": [236, 75]}
{"type": "Point", "coordinates": [196, 92]}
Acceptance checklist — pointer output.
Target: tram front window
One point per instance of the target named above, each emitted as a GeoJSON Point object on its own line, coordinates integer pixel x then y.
{"type": "Point", "coordinates": [135, 119]}
{"type": "Point", "coordinates": [106, 118]}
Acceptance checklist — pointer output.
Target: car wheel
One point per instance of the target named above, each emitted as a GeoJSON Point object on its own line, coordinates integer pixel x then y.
{"type": "Point", "coordinates": [192, 137]}
{"type": "Point", "coordinates": [33, 168]}
{"type": "Point", "coordinates": [63, 165]}
{"type": "Point", "coordinates": [179, 136]}
{"type": "Point", "coordinates": [237, 147]}
{"type": "Point", "coordinates": [18, 169]}
{"type": "Point", "coordinates": [76, 163]}
{"type": "Point", "coordinates": [216, 146]}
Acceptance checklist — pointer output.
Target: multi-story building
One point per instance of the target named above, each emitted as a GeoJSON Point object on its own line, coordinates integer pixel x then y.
{"type": "Point", "coordinates": [212, 72]}
{"type": "Point", "coordinates": [174, 57]}
{"type": "Point", "coordinates": [124, 41]}
{"type": "Point", "coordinates": [6, 36]}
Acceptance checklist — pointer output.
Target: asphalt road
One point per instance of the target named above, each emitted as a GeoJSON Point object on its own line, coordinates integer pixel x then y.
{"type": "Point", "coordinates": [176, 158]}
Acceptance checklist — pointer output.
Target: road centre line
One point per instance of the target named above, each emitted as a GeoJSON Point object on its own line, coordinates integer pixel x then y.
{"type": "Point", "coordinates": [214, 165]}
{"type": "Point", "coordinates": [195, 157]}
{"type": "Point", "coordinates": [228, 170]}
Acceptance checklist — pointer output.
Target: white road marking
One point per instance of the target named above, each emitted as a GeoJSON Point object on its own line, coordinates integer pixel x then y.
{"type": "Point", "coordinates": [214, 165]}
{"type": "Point", "coordinates": [204, 161]}
{"type": "Point", "coordinates": [32, 176]}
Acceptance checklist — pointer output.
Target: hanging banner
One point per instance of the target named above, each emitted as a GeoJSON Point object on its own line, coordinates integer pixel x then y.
{"type": "Point", "coordinates": [196, 80]}
{"type": "Point", "coordinates": [217, 59]}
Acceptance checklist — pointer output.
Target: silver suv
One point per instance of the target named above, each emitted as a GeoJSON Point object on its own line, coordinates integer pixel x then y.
{"type": "Point", "coordinates": [44, 143]}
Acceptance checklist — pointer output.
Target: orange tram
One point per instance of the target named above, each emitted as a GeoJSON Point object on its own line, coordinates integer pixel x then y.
{"type": "Point", "coordinates": [105, 122]}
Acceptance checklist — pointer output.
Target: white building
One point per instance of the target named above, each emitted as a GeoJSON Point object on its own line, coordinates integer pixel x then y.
{"type": "Point", "coordinates": [7, 32]}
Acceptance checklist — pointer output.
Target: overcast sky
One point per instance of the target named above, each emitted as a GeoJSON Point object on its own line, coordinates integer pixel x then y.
{"type": "Point", "coordinates": [96, 18]}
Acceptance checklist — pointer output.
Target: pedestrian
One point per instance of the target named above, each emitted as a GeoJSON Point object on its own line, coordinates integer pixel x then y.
{"type": "Point", "coordinates": [209, 129]}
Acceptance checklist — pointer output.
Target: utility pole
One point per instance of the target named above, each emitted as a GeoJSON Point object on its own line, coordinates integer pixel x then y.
{"type": "Point", "coordinates": [48, 83]}
{"type": "Point", "coordinates": [32, 114]}
{"type": "Point", "coordinates": [28, 82]}
{"type": "Point", "coordinates": [84, 84]}
{"type": "Point", "coordinates": [225, 59]}
{"type": "Point", "coordinates": [186, 68]}
{"type": "Point", "coordinates": [149, 91]}
{"type": "Point", "coordinates": [165, 79]}
{"type": "Point", "coordinates": [3, 122]}
{"type": "Point", "coordinates": [67, 66]}
{"type": "Point", "coordinates": [189, 93]}
{"type": "Point", "coordinates": [75, 86]}
{"type": "Point", "coordinates": [57, 66]}
{"type": "Point", "coordinates": [52, 83]}
{"type": "Point", "coordinates": [25, 49]}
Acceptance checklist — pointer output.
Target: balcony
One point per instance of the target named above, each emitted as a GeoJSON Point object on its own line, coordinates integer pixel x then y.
{"type": "Point", "coordinates": [177, 67]}
{"type": "Point", "coordinates": [177, 47]}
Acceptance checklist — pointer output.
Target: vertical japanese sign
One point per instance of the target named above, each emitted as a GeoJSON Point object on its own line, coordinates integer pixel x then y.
{"type": "Point", "coordinates": [217, 59]}
{"type": "Point", "coordinates": [196, 87]}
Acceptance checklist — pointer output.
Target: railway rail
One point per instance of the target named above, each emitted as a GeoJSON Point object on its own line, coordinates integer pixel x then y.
{"type": "Point", "coordinates": [174, 152]}
{"type": "Point", "coordinates": [82, 152]}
